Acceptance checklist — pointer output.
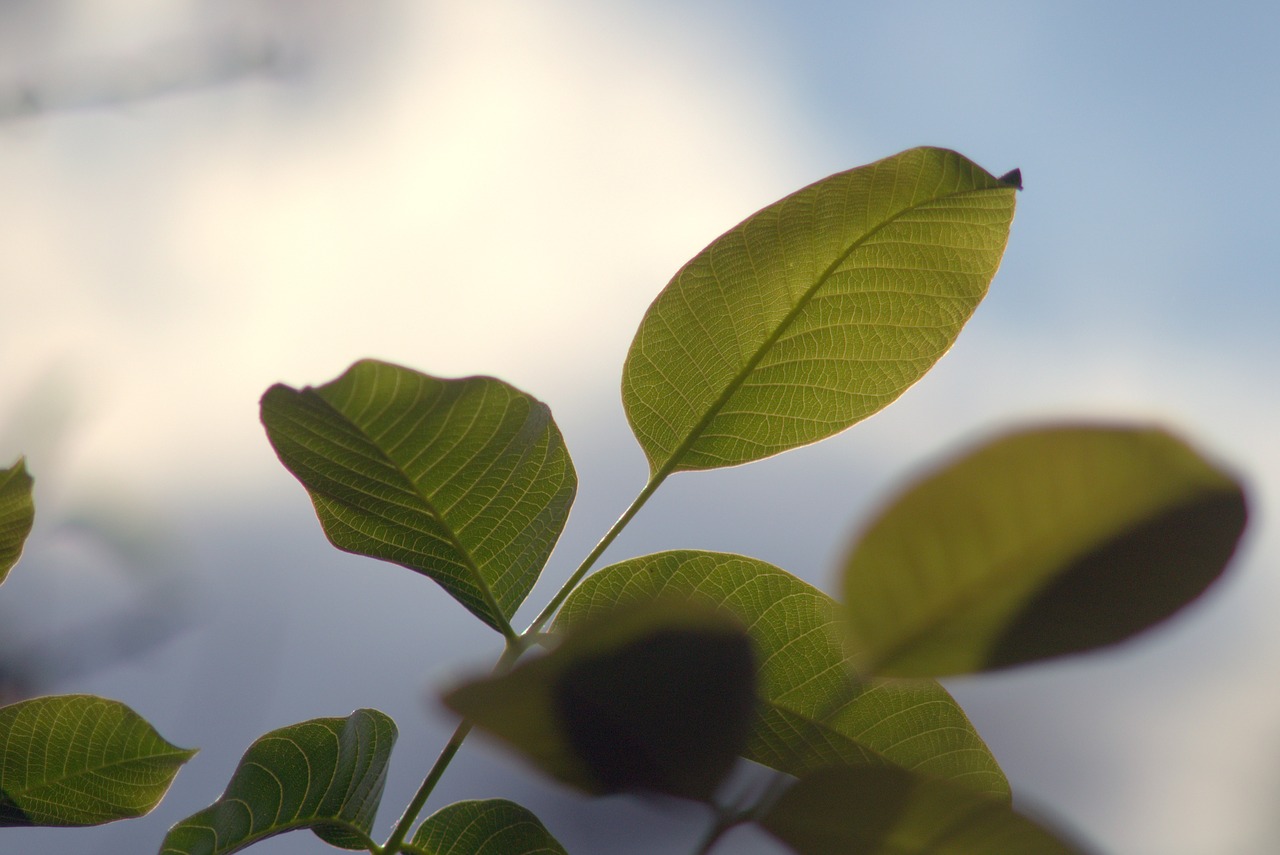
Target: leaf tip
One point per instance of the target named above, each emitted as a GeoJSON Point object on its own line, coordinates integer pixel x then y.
{"type": "Point", "coordinates": [1013, 178]}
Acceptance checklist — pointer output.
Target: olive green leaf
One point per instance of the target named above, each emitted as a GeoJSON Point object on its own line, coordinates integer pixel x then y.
{"type": "Point", "coordinates": [17, 512]}
{"type": "Point", "coordinates": [465, 481]}
{"type": "Point", "coordinates": [326, 774]}
{"type": "Point", "coordinates": [812, 712]}
{"type": "Point", "coordinates": [484, 827]}
{"type": "Point", "coordinates": [816, 311]}
{"type": "Point", "coordinates": [659, 696]}
{"type": "Point", "coordinates": [891, 811]}
{"type": "Point", "coordinates": [81, 760]}
{"type": "Point", "coordinates": [1044, 542]}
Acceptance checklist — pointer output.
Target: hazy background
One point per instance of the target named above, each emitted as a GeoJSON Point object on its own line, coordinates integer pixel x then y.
{"type": "Point", "coordinates": [200, 199]}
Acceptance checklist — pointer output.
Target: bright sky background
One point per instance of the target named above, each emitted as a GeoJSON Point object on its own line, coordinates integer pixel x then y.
{"type": "Point", "coordinates": [502, 188]}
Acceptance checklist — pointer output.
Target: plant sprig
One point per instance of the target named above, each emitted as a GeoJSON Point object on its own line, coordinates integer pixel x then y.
{"type": "Point", "coordinates": [660, 672]}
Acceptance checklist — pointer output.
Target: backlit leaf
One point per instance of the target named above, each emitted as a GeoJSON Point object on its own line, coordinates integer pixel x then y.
{"type": "Point", "coordinates": [815, 312]}
{"type": "Point", "coordinates": [466, 481]}
{"type": "Point", "coordinates": [812, 714]}
{"type": "Point", "coordinates": [890, 811]}
{"type": "Point", "coordinates": [487, 827]}
{"type": "Point", "coordinates": [658, 696]}
{"type": "Point", "coordinates": [80, 760]}
{"type": "Point", "coordinates": [326, 774]}
{"type": "Point", "coordinates": [17, 512]}
{"type": "Point", "coordinates": [1041, 543]}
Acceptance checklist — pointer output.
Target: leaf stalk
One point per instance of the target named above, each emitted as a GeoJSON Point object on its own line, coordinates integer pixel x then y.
{"type": "Point", "coordinates": [605, 542]}
{"type": "Point", "coordinates": [410, 815]}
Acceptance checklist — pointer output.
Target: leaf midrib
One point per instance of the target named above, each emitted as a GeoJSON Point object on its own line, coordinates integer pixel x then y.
{"type": "Point", "coordinates": [61, 780]}
{"type": "Point", "coordinates": [503, 625]}
{"type": "Point", "coordinates": [732, 388]}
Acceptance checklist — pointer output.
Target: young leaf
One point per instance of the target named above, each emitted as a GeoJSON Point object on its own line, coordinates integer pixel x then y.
{"type": "Point", "coordinates": [465, 481]}
{"type": "Point", "coordinates": [812, 713]}
{"type": "Point", "coordinates": [815, 312]}
{"type": "Point", "coordinates": [16, 514]}
{"type": "Point", "coordinates": [890, 811]}
{"type": "Point", "coordinates": [659, 696]}
{"type": "Point", "coordinates": [74, 760]}
{"type": "Point", "coordinates": [488, 827]}
{"type": "Point", "coordinates": [1041, 543]}
{"type": "Point", "coordinates": [326, 774]}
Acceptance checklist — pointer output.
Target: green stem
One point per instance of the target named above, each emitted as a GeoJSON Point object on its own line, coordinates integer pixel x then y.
{"type": "Point", "coordinates": [713, 837]}
{"type": "Point", "coordinates": [410, 815]}
{"type": "Point", "coordinates": [725, 820]}
{"type": "Point", "coordinates": [605, 542]}
{"type": "Point", "coordinates": [516, 645]}
{"type": "Point", "coordinates": [392, 846]}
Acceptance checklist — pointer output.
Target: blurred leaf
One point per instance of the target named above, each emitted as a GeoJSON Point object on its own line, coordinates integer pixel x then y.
{"type": "Point", "coordinates": [466, 481]}
{"type": "Point", "coordinates": [1041, 543]}
{"type": "Point", "coordinates": [815, 312]}
{"type": "Point", "coordinates": [812, 713]}
{"type": "Point", "coordinates": [890, 811]}
{"type": "Point", "coordinates": [326, 774]}
{"type": "Point", "coordinates": [659, 696]}
{"type": "Point", "coordinates": [488, 827]}
{"type": "Point", "coordinates": [81, 760]}
{"type": "Point", "coordinates": [17, 512]}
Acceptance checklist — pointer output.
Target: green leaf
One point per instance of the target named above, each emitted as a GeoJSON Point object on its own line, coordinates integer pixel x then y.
{"type": "Point", "coordinates": [326, 774]}
{"type": "Point", "coordinates": [17, 512]}
{"type": "Point", "coordinates": [465, 481]}
{"type": "Point", "coordinates": [812, 713]}
{"type": "Point", "coordinates": [890, 811]}
{"type": "Point", "coordinates": [488, 827]}
{"type": "Point", "coordinates": [1044, 542]}
{"type": "Point", "coordinates": [815, 312]}
{"type": "Point", "coordinates": [75, 760]}
{"type": "Point", "coordinates": [659, 696]}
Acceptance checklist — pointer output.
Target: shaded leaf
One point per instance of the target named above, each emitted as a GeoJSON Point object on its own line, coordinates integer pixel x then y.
{"type": "Point", "coordinates": [17, 512]}
{"type": "Point", "coordinates": [659, 696]}
{"type": "Point", "coordinates": [815, 312]}
{"type": "Point", "coordinates": [72, 760]}
{"type": "Point", "coordinates": [1041, 543]}
{"type": "Point", "coordinates": [890, 811]}
{"type": "Point", "coordinates": [466, 481]}
{"type": "Point", "coordinates": [812, 713]}
{"type": "Point", "coordinates": [326, 774]}
{"type": "Point", "coordinates": [487, 827]}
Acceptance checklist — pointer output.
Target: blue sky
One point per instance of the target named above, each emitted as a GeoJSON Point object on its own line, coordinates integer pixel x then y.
{"type": "Point", "coordinates": [502, 188]}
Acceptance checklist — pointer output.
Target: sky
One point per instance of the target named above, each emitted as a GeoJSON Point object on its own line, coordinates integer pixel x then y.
{"type": "Point", "coordinates": [203, 199]}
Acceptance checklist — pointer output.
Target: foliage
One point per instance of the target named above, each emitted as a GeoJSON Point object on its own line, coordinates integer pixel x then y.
{"type": "Point", "coordinates": [663, 672]}
{"type": "Point", "coordinates": [81, 760]}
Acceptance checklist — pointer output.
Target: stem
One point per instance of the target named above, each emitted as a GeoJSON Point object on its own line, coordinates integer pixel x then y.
{"type": "Point", "coordinates": [516, 645]}
{"type": "Point", "coordinates": [392, 846]}
{"type": "Point", "coordinates": [605, 542]}
{"type": "Point", "coordinates": [410, 815]}
{"type": "Point", "coordinates": [725, 820]}
{"type": "Point", "coordinates": [713, 836]}
{"type": "Point", "coordinates": [779, 783]}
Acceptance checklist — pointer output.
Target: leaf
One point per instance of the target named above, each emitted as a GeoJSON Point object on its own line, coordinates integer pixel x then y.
{"type": "Point", "coordinates": [890, 811]}
{"type": "Point", "coordinates": [1041, 543]}
{"type": "Point", "coordinates": [487, 827]}
{"type": "Point", "coordinates": [17, 512]}
{"type": "Point", "coordinates": [815, 312]}
{"type": "Point", "coordinates": [812, 713]}
{"type": "Point", "coordinates": [465, 481]}
{"type": "Point", "coordinates": [73, 760]}
{"type": "Point", "coordinates": [326, 774]}
{"type": "Point", "coordinates": [656, 697]}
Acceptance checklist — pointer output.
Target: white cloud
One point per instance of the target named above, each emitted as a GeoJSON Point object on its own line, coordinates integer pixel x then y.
{"type": "Point", "coordinates": [504, 196]}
